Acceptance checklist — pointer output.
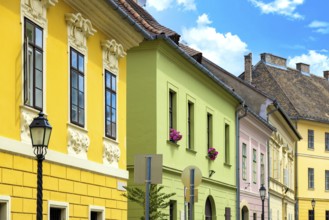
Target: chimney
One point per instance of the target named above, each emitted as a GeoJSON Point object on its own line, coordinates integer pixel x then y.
{"type": "Point", "coordinates": [326, 74]}
{"type": "Point", "coordinates": [274, 60]}
{"type": "Point", "coordinates": [302, 67]}
{"type": "Point", "coordinates": [248, 68]}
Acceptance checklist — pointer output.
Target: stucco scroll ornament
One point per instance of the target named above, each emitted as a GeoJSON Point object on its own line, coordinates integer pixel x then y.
{"type": "Point", "coordinates": [37, 8]}
{"type": "Point", "coordinates": [79, 29]}
{"type": "Point", "coordinates": [112, 52]}
{"type": "Point", "coordinates": [26, 120]}
{"type": "Point", "coordinates": [111, 154]}
{"type": "Point", "coordinates": [78, 143]}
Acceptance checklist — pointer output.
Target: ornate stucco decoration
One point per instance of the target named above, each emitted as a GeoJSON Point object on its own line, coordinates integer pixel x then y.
{"type": "Point", "coordinates": [26, 119]}
{"type": "Point", "coordinates": [111, 154]}
{"type": "Point", "coordinates": [78, 143]}
{"type": "Point", "coordinates": [79, 30]}
{"type": "Point", "coordinates": [112, 51]}
{"type": "Point", "coordinates": [37, 9]}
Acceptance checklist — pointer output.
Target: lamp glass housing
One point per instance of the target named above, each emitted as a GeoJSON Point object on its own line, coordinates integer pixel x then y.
{"type": "Point", "coordinates": [313, 203]}
{"type": "Point", "coordinates": [262, 192]}
{"type": "Point", "coordinates": [40, 131]}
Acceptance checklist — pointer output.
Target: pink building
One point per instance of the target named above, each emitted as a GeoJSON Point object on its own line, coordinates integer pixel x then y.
{"type": "Point", "coordinates": [254, 135]}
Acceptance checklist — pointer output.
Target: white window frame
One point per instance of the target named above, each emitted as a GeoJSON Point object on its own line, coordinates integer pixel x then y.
{"type": "Point", "coordinates": [7, 201]}
{"type": "Point", "coordinates": [60, 205]}
{"type": "Point", "coordinates": [99, 209]}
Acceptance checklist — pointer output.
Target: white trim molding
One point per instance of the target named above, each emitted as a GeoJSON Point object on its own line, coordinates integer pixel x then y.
{"type": "Point", "coordinates": [24, 149]}
{"type": "Point", "coordinates": [99, 209]}
{"type": "Point", "coordinates": [27, 116]}
{"type": "Point", "coordinates": [111, 155]}
{"type": "Point", "coordinates": [6, 215]}
{"type": "Point", "coordinates": [37, 10]}
{"type": "Point", "coordinates": [112, 51]}
{"type": "Point", "coordinates": [77, 142]}
{"type": "Point", "coordinates": [61, 205]}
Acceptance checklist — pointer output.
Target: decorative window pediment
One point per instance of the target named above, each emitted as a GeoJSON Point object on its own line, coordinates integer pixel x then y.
{"type": "Point", "coordinates": [111, 154]}
{"type": "Point", "coordinates": [37, 9]}
{"type": "Point", "coordinates": [79, 30]}
{"type": "Point", "coordinates": [112, 51]}
{"type": "Point", "coordinates": [78, 142]}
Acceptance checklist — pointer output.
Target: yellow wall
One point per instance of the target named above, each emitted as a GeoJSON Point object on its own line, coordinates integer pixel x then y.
{"type": "Point", "coordinates": [317, 159]}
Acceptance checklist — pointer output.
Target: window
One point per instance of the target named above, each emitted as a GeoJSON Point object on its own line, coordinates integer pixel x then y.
{"type": "Point", "coordinates": [4, 207]}
{"type": "Point", "coordinates": [172, 210]}
{"type": "Point", "coordinates": [110, 105]}
{"type": "Point", "coordinates": [244, 161]}
{"type": "Point", "coordinates": [327, 141]}
{"type": "Point", "coordinates": [172, 109]}
{"type": "Point", "coordinates": [310, 178]}
{"type": "Point", "coordinates": [311, 215]}
{"type": "Point", "coordinates": [227, 213]}
{"type": "Point", "coordinates": [327, 179]}
{"type": "Point", "coordinates": [33, 65]}
{"type": "Point", "coordinates": [254, 166]}
{"type": "Point", "coordinates": [227, 144]}
{"type": "Point", "coordinates": [77, 105]}
{"type": "Point", "coordinates": [276, 162]}
{"type": "Point", "coordinates": [190, 124]}
{"type": "Point", "coordinates": [327, 215]}
{"type": "Point", "coordinates": [255, 216]}
{"type": "Point", "coordinates": [262, 169]}
{"type": "Point", "coordinates": [209, 130]}
{"type": "Point", "coordinates": [57, 210]}
{"type": "Point", "coordinates": [96, 213]}
{"type": "Point", "coordinates": [310, 139]}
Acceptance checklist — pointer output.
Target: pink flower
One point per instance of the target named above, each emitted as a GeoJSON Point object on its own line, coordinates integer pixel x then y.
{"type": "Point", "coordinates": [174, 135]}
{"type": "Point", "coordinates": [212, 153]}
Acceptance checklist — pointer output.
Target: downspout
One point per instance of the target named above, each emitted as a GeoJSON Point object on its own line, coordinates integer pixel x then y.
{"type": "Point", "coordinates": [237, 159]}
{"type": "Point", "coordinates": [296, 178]}
{"type": "Point", "coordinates": [268, 157]}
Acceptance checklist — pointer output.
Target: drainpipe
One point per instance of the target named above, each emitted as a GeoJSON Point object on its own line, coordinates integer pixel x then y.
{"type": "Point", "coordinates": [275, 103]}
{"type": "Point", "coordinates": [296, 178]}
{"type": "Point", "coordinates": [237, 159]}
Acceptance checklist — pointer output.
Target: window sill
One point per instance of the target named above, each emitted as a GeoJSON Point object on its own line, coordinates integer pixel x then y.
{"type": "Point", "coordinates": [227, 165]}
{"type": "Point", "coordinates": [31, 110]}
{"type": "Point", "coordinates": [172, 143]}
{"type": "Point", "coordinates": [110, 140]}
{"type": "Point", "coordinates": [311, 149]}
{"type": "Point", "coordinates": [311, 189]}
{"type": "Point", "coordinates": [210, 159]}
{"type": "Point", "coordinates": [190, 151]}
{"type": "Point", "coordinates": [74, 126]}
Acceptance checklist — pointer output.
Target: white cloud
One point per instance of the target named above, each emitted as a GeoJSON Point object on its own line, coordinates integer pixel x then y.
{"type": "Point", "coordinates": [281, 7]}
{"type": "Point", "coordinates": [318, 62]}
{"type": "Point", "coordinates": [320, 26]}
{"type": "Point", "coordinates": [224, 49]}
{"type": "Point", "coordinates": [161, 5]}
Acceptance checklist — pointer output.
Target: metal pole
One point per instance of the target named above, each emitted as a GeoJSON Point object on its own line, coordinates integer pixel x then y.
{"type": "Point", "coordinates": [147, 186]}
{"type": "Point", "coordinates": [313, 214]}
{"type": "Point", "coordinates": [263, 209]}
{"type": "Point", "coordinates": [191, 193]}
{"type": "Point", "coordinates": [185, 203]}
{"type": "Point", "coordinates": [40, 158]}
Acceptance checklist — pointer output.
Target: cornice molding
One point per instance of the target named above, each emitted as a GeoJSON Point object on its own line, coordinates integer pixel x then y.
{"type": "Point", "coordinates": [112, 51]}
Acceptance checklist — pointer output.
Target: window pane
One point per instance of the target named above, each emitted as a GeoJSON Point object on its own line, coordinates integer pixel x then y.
{"type": "Point", "coordinates": [108, 113]}
{"type": "Point", "coordinates": [113, 115]}
{"type": "Point", "coordinates": [108, 80]}
{"type": "Point", "coordinates": [74, 61]}
{"type": "Point", "coordinates": [113, 100]}
{"type": "Point", "coordinates": [108, 98]}
{"type": "Point", "coordinates": [81, 116]}
{"type": "Point", "coordinates": [108, 128]}
{"type": "Point", "coordinates": [38, 98]}
{"type": "Point", "coordinates": [38, 60]}
{"type": "Point", "coordinates": [38, 37]}
{"type": "Point", "coordinates": [114, 130]}
{"type": "Point", "coordinates": [81, 63]}
{"type": "Point", "coordinates": [74, 113]}
{"type": "Point", "coordinates": [29, 31]}
{"type": "Point", "coordinates": [114, 81]}
{"type": "Point", "coordinates": [81, 100]}
{"type": "Point", "coordinates": [74, 97]}
{"type": "Point", "coordinates": [81, 83]}
{"type": "Point", "coordinates": [74, 79]}
{"type": "Point", "coordinates": [38, 79]}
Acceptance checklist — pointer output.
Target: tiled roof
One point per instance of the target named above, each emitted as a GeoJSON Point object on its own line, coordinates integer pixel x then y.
{"type": "Point", "coordinates": [302, 96]}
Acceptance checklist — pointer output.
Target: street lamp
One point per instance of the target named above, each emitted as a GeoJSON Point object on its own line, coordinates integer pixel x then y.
{"type": "Point", "coordinates": [313, 206]}
{"type": "Point", "coordinates": [262, 192]}
{"type": "Point", "coordinates": [40, 131]}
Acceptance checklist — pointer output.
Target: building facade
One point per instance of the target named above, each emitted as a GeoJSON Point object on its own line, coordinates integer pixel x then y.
{"type": "Point", "coordinates": [67, 59]}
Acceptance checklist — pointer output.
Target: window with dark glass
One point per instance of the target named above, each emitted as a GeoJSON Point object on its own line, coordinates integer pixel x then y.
{"type": "Point", "coordinates": [244, 161]}
{"type": "Point", "coordinates": [227, 144]}
{"type": "Point", "coordinates": [310, 178]}
{"type": "Point", "coordinates": [262, 169]}
{"type": "Point", "coordinates": [327, 179]}
{"type": "Point", "coordinates": [209, 130]}
{"type": "Point", "coordinates": [190, 124]}
{"type": "Point", "coordinates": [77, 105]}
{"type": "Point", "coordinates": [172, 210]}
{"type": "Point", "coordinates": [254, 166]}
{"type": "Point", "coordinates": [55, 213]}
{"type": "Point", "coordinates": [110, 105]}
{"type": "Point", "coordinates": [227, 213]}
{"type": "Point", "coordinates": [172, 109]}
{"type": "Point", "coordinates": [327, 141]}
{"type": "Point", "coordinates": [311, 139]}
{"type": "Point", "coordinates": [33, 65]}
{"type": "Point", "coordinates": [327, 215]}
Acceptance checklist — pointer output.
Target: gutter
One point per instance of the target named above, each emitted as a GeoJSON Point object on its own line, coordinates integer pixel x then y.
{"type": "Point", "coordinates": [124, 15]}
{"type": "Point", "coordinates": [237, 157]}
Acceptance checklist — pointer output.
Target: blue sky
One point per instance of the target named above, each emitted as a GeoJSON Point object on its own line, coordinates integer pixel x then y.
{"type": "Point", "coordinates": [226, 30]}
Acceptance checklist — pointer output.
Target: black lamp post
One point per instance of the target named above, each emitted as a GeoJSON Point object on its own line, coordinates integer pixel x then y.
{"type": "Point", "coordinates": [262, 192]}
{"type": "Point", "coordinates": [313, 206]}
{"type": "Point", "coordinates": [40, 131]}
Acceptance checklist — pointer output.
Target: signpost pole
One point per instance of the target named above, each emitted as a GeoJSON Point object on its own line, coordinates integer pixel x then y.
{"type": "Point", "coordinates": [147, 186]}
{"type": "Point", "coordinates": [185, 203]}
{"type": "Point", "coordinates": [191, 193]}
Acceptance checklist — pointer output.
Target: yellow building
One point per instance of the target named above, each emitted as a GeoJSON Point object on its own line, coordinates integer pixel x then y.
{"type": "Point", "coordinates": [67, 59]}
{"type": "Point", "coordinates": [305, 98]}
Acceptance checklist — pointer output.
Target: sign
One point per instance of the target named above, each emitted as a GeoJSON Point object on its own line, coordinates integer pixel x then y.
{"type": "Point", "coordinates": [188, 195]}
{"type": "Point", "coordinates": [186, 176]}
{"type": "Point", "coordinates": [140, 168]}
